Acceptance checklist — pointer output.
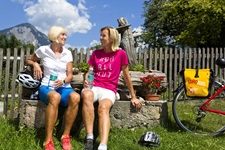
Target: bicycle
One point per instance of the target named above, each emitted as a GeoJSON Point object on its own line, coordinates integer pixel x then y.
{"type": "Point", "coordinates": [201, 116]}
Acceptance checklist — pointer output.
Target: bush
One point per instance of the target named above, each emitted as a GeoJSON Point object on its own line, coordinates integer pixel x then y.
{"type": "Point", "coordinates": [82, 67]}
{"type": "Point", "coordinates": [138, 67]}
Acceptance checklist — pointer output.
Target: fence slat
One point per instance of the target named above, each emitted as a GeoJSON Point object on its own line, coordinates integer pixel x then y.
{"type": "Point", "coordinates": [6, 89]}
{"type": "Point", "coordinates": [150, 58]}
{"type": "Point", "coordinates": [21, 67]}
{"type": "Point", "coordinates": [1, 65]}
{"type": "Point", "coordinates": [13, 85]}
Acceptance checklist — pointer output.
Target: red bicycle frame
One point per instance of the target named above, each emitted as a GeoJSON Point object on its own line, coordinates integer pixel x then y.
{"type": "Point", "coordinates": [204, 106]}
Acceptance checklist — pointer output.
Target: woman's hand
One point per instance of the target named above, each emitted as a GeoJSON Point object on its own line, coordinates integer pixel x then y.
{"type": "Point", "coordinates": [85, 84]}
{"type": "Point", "coordinates": [37, 71]}
{"type": "Point", "coordinates": [58, 83]}
{"type": "Point", "coordinates": [136, 103]}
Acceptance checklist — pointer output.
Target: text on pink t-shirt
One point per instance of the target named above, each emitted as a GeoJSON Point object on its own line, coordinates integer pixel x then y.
{"type": "Point", "coordinates": [107, 67]}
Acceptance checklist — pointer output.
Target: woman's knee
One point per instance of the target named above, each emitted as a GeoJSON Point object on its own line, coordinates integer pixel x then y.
{"type": "Point", "coordinates": [54, 97]}
{"type": "Point", "coordinates": [103, 109]}
{"type": "Point", "coordinates": [87, 96]}
{"type": "Point", "coordinates": [87, 93]}
{"type": "Point", "coordinates": [74, 97]}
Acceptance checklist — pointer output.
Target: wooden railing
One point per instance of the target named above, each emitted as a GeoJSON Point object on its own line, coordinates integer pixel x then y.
{"type": "Point", "coordinates": [167, 60]}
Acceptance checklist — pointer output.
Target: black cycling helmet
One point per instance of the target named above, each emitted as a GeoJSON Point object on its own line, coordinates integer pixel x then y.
{"type": "Point", "coordinates": [149, 139]}
{"type": "Point", "coordinates": [220, 62]}
{"type": "Point", "coordinates": [27, 81]}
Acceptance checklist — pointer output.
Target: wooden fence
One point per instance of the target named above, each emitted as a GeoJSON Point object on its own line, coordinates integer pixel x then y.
{"type": "Point", "coordinates": [167, 60]}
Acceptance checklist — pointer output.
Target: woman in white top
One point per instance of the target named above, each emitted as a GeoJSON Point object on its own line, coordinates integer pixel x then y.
{"type": "Point", "coordinates": [55, 86]}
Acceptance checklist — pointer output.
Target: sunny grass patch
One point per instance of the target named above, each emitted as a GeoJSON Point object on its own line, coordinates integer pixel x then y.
{"type": "Point", "coordinates": [15, 138]}
{"type": "Point", "coordinates": [171, 136]}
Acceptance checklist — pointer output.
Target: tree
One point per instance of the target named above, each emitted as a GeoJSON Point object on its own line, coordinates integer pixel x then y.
{"type": "Point", "coordinates": [12, 42]}
{"type": "Point", "coordinates": [3, 41]}
{"type": "Point", "coordinates": [194, 23]}
{"type": "Point", "coordinates": [97, 46]}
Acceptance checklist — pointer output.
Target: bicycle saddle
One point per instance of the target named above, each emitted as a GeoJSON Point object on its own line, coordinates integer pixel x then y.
{"type": "Point", "coordinates": [220, 62]}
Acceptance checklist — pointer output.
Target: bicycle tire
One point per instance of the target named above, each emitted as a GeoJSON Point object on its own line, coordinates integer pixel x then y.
{"type": "Point", "coordinates": [186, 111]}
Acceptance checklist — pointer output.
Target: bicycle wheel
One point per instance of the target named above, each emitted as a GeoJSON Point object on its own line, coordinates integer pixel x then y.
{"type": "Point", "coordinates": [188, 116]}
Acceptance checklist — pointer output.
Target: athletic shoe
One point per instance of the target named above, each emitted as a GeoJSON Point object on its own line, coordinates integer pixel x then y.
{"type": "Point", "coordinates": [48, 145]}
{"type": "Point", "coordinates": [65, 142]}
{"type": "Point", "coordinates": [88, 144]}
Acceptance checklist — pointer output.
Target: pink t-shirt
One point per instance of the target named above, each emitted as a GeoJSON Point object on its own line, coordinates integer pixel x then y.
{"type": "Point", "coordinates": [107, 67]}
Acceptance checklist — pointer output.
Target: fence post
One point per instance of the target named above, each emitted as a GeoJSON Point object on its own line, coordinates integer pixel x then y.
{"type": "Point", "coordinates": [88, 53]}
{"type": "Point", "coordinates": [75, 57]}
{"type": "Point", "coordinates": [13, 84]}
{"type": "Point", "coordinates": [21, 67]}
{"type": "Point", "coordinates": [1, 64]}
{"type": "Point", "coordinates": [6, 92]}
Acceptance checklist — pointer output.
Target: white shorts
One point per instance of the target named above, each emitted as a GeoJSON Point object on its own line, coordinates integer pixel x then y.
{"type": "Point", "coordinates": [102, 93]}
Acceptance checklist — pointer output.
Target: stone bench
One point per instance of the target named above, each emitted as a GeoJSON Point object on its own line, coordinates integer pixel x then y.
{"type": "Point", "coordinates": [153, 113]}
{"type": "Point", "coordinates": [122, 114]}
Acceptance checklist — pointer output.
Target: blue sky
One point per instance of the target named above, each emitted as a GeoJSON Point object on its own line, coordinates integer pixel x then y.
{"type": "Point", "coordinates": [82, 18]}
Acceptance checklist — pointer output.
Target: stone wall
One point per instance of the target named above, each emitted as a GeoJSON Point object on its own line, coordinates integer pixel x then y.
{"type": "Point", "coordinates": [122, 114]}
{"type": "Point", "coordinates": [153, 113]}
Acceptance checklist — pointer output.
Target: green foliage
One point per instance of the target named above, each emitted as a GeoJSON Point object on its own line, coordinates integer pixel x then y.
{"type": "Point", "coordinates": [83, 67]}
{"type": "Point", "coordinates": [138, 67]}
{"type": "Point", "coordinates": [12, 43]}
{"type": "Point", "coordinates": [97, 46]}
{"type": "Point", "coordinates": [30, 46]}
{"type": "Point", "coordinates": [193, 23]}
{"type": "Point", "coordinates": [138, 40]}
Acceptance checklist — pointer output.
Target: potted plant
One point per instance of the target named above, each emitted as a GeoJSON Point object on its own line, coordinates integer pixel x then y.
{"type": "Point", "coordinates": [151, 84]}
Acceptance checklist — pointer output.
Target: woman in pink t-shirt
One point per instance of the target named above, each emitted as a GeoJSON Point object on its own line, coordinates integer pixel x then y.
{"type": "Point", "coordinates": [107, 64]}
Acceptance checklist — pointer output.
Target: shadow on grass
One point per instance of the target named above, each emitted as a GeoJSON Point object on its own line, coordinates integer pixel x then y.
{"type": "Point", "coordinates": [172, 126]}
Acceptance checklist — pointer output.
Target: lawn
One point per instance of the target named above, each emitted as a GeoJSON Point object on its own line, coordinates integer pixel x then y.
{"type": "Point", "coordinates": [14, 137]}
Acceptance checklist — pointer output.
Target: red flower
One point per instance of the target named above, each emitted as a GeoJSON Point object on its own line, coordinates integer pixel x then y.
{"type": "Point", "coordinates": [151, 82]}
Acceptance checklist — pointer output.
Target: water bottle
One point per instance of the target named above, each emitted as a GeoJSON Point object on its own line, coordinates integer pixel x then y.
{"type": "Point", "coordinates": [52, 79]}
{"type": "Point", "coordinates": [90, 78]}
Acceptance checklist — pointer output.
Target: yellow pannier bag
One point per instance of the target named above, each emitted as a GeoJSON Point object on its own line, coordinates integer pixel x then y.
{"type": "Point", "coordinates": [198, 82]}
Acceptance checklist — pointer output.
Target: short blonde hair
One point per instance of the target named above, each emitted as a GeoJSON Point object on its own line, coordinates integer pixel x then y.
{"type": "Point", "coordinates": [114, 36]}
{"type": "Point", "coordinates": [54, 32]}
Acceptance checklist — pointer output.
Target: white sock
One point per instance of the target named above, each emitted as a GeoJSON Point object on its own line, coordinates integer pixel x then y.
{"type": "Point", "coordinates": [90, 136]}
{"type": "Point", "coordinates": [102, 147]}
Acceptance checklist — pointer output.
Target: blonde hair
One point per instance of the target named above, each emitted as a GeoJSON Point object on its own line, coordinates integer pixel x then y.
{"type": "Point", "coordinates": [54, 32]}
{"type": "Point", "coordinates": [114, 36]}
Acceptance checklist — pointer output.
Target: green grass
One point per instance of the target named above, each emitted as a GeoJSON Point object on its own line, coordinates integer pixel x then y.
{"type": "Point", "coordinates": [14, 137]}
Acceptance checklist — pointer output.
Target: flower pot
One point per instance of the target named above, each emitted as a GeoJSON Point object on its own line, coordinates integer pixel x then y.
{"type": "Point", "coordinates": [152, 97]}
